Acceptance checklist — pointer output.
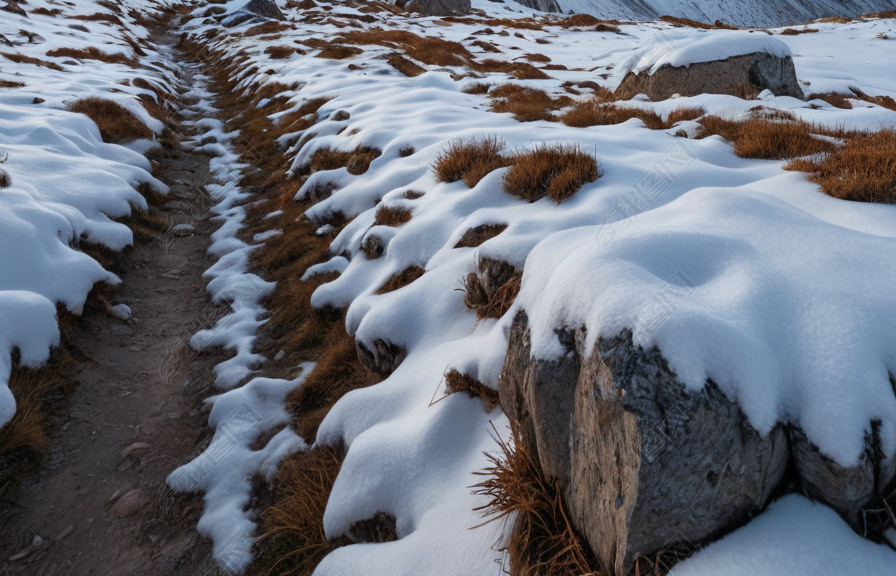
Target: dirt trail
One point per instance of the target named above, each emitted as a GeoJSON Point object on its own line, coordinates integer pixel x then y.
{"type": "Point", "coordinates": [100, 505]}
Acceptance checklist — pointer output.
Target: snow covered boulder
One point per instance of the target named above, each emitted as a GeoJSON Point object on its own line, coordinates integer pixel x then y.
{"type": "Point", "coordinates": [732, 62]}
{"type": "Point", "coordinates": [254, 10]}
{"type": "Point", "coordinates": [669, 378]}
{"type": "Point", "coordinates": [437, 7]}
{"type": "Point", "coordinates": [643, 463]}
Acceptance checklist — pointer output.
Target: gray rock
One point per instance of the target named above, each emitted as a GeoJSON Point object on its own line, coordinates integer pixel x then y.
{"type": "Point", "coordinates": [541, 5]}
{"type": "Point", "coordinates": [265, 9]}
{"type": "Point", "coordinates": [437, 7]}
{"type": "Point", "coordinates": [643, 463]}
{"type": "Point", "coordinates": [744, 76]}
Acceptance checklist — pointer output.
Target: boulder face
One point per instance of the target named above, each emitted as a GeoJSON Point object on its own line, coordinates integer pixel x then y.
{"type": "Point", "coordinates": [644, 464]}
{"type": "Point", "coordinates": [265, 9]}
{"type": "Point", "coordinates": [744, 76]}
{"type": "Point", "coordinates": [541, 5]}
{"type": "Point", "coordinates": [437, 7]}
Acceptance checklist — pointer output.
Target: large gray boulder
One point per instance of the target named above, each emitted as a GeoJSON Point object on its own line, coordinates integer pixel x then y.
{"type": "Point", "coordinates": [744, 76]}
{"type": "Point", "coordinates": [645, 464]}
{"type": "Point", "coordinates": [541, 5]}
{"type": "Point", "coordinates": [437, 7]}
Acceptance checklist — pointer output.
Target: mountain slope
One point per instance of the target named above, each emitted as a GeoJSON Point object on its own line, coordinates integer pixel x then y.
{"type": "Point", "coordinates": [761, 13]}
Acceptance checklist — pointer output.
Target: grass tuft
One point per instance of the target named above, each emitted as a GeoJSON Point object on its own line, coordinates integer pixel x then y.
{"type": "Point", "coordinates": [862, 170]}
{"type": "Point", "coordinates": [391, 216]}
{"type": "Point", "coordinates": [116, 124]}
{"type": "Point", "coordinates": [542, 541]}
{"type": "Point", "coordinates": [767, 139]}
{"type": "Point", "coordinates": [91, 53]}
{"type": "Point", "coordinates": [557, 171]}
{"type": "Point", "coordinates": [490, 303]}
{"type": "Point", "coordinates": [401, 279]}
{"type": "Point", "coordinates": [356, 162]}
{"type": "Point", "coordinates": [470, 160]}
{"type": "Point", "coordinates": [479, 235]}
{"type": "Point", "coordinates": [596, 112]}
{"type": "Point", "coordinates": [526, 104]}
{"type": "Point", "coordinates": [455, 382]}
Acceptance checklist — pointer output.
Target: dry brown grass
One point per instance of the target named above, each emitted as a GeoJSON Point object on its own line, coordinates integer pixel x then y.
{"type": "Point", "coordinates": [280, 52]}
{"type": "Point", "coordinates": [683, 114]}
{"type": "Point", "coordinates": [557, 171]}
{"type": "Point", "coordinates": [338, 52]}
{"type": "Point", "coordinates": [23, 439]}
{"type": "Point", "coordinates": [795, 31]}
{"type": "Point", "coordinates": [22, 59]}
{"type": "Point", "coordinates": [11, 84]}
{"type": "Point", "coordinates": [862, 170]}
{"type": "Point", "coordinates": [491, 305]}
{"type": "Point", "coordinates": [536, 57]}
{"type": "Point", "coordinates": [46, 11]}
{"type": "Point", "coordinates": [401, 279]}
{"type": "Point", "coordinates": [519, 70]}
{"type": "Point", "coordinates": [767, 139]}
{"type": "Point", "coordinates": [455, 382]}
{"type": "Point", "coordinates": [596, 112]}
{"type": "Point", "coordinates": [477, 88]}
{"type": "Point", "coordinates": [526, 104]}
{"type": "Point", "coordinates": [470, 160]}
{"type": "Point", "coordinates": [336, 373]}
{"type": "Point", "coordinates": [542, 540]}
{"type": "Point", "coordinates": [685, 22]}
{"type": "Point", "coordinates": [99, 17]}
{"type": "Point", "coordinates": [480, 234]}
{"type": "Point", "coordinates": [116, 124]}
{"type": "Point", "coordinates": [403, 65]}
{"type": "Point", "coordinates": [835, 99]}
{"type": "Point", "coordinates": [356, 162]}
{"type": "Point", "coordinates": [883, 101]}
{"type": "Point", "coordinates": [426, 49]}
{"type": "Point", "coordinates": [91, 53]}
{"type": "Point", "coordinates": [292, 531]}
{"type": "Point", "coordinates": [391, 216]}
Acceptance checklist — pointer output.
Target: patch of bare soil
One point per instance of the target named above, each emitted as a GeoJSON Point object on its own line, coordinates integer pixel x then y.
{"type": "Point", "coordinates": [100, 505]}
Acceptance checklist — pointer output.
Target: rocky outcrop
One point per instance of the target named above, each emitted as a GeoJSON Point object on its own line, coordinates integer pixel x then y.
{"type": "Point", "coordinates": [437, 7]}
{"type": "Point", "coordinates": [541, 5]}
{"type": "Point", "coordinates": [744, 76]}
{"type": "Point", "coordinates": [255, 10]}
{"type": "Point", "coordinates": [645, 464]}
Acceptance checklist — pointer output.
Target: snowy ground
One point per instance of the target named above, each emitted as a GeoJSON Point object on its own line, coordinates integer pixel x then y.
{"type": "Point", "coordinates": [66, 183]}
{"type": "Point", "coordinates": [750, 241]}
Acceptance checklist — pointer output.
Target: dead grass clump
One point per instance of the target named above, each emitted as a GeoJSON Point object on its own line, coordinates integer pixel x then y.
{"type": "Point", "coordinates": [456, 381]}
{"type": "Point", "coordinates": [519, 70]}
{"type": "Point", "coordinates": [47, 11]}
{"type": "Point", "coordinates": [683, 114]}
{"type": "Point", "coordinates": [477, 88]}
{"type": "Point", "coordinates": [557, 171]}
{"type": "Point", "coordinates": [835, 99]}
{"type": "Point", "coordinates": [535, 57]}
{"type": "Point", "coordinates": [685, 22]}
{"type": "Point", "coordinates": [479, 235]}
{"type": "Point", "coordinates": [604, 27]}
{"type": "Point", "coordinates": [292, 539]}
{"type": "Point", "coordinates": [336, 373]}
{"type": "Point", "coordinates": [356, 162]}
{"type": "Point", "coordinates": [268, 27]}
{"type": "Point", "coordinates": [543, 540]}
{"type": "Point", "coordinates": [116, 124]}
{"type": "Point", "coordinates": [598, 113]}
{"type": "Point", "coordinates": [11, 84]}
{"type": "Point", "coordinates": [99, 17]}
{"type": "Point", "coordinates": [795, 32]}
{"type": "Point", "coordinates": [91, 53]}
{"type": "Point", "coordinates": [23, 439]}
{"type": "Point", "coordinates": [337, 52]}
{"type": "Point", "coordinates": [767, 139]}
{"type": "Point", "coordinates": [883, 101]}
{"type": "Point", "coordinates": [426, 49]}
{"type": "Point", "coordinates": [487, 46]}
{"type": "Point", "coordinates": [22, 59]}
{"type": "Point", "coordinates": [579, 21]}
{"type": "Point", "coordinates": [526, 104]}
{"type": "Point", "coordinates": [391, 216]}
{"type": "Point", "coordinates": [470, 160]}
{"type": "Point", "coordinates": [862, 170]}
{"type": "Point", "coordinates": [401, 279]}
{"type": "Point", "coordinates": [488, 302]}
{"type": "Point", "coordinates": [280, 52]}
{"type": "Point", "coordinates": [403, 65]}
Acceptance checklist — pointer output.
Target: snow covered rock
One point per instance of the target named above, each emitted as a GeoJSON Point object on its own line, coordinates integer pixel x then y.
{"type": "Point", "coordinates": [439, 7]}
{"type": "Point", "coordinates": [643, 463]}
{"type": "Point", "coordinates": [541, 5]}
{"type": "Point", "coordinates": [255, 8]}
{"type": "Point", "coordinates": [739, 63]}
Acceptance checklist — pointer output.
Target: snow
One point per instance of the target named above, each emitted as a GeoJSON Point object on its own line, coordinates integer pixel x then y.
{"type": "Point", "coordinates": [66, 187]}
{"type": "Point", "coordinates": [777, 286]}
{"type": "Point", "coordinates": [667, 48]}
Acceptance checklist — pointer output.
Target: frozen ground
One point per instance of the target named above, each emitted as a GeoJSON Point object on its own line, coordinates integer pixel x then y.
{"type": "Point", "coordinates": [748, 243]}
